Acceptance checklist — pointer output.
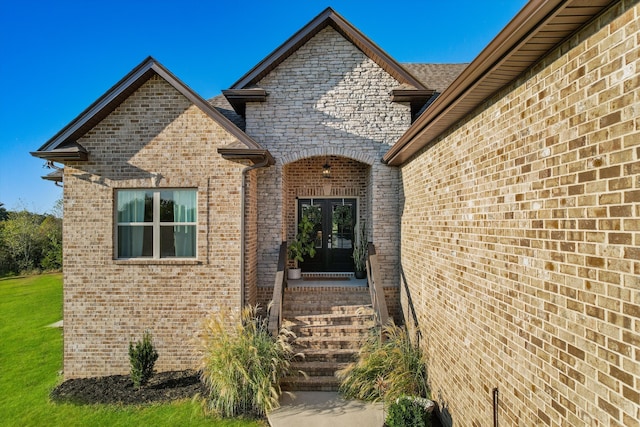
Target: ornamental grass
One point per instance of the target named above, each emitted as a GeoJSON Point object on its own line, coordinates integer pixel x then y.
{"type": "Point", "coordinates": [386, 369]}
{"type": "Point", "coordinates": [242, 364]}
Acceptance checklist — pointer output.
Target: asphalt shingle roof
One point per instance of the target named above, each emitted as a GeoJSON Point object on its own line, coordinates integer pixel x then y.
{"type": "Point", "coordinates": [435, 76]}
{"type": "Point", "coordinates": [221, 104]}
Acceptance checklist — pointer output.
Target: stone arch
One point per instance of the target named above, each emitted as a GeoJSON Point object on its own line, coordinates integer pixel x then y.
{"type": "Point", "coordinates": [329, 151]}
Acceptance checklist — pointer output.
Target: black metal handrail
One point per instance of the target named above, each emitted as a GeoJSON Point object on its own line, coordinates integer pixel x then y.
{"type": "Point", "coordinates": [412, 309]}
{"type": "Point", "coordinates": [275, 313]}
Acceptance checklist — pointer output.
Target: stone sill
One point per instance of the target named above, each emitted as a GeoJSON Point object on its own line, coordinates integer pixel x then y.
{"type": "Point", "coordinates": [157, 262]}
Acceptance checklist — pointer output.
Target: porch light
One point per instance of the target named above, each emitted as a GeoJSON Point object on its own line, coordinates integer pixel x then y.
{"type": "Point", "coordinates": [326, 170]}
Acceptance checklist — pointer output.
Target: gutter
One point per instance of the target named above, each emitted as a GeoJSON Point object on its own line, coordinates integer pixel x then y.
{"type": "Point", "coordinates": [496, 61]}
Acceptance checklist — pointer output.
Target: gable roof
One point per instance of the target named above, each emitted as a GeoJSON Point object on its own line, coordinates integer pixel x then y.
{"type": "Point", "coordinates": [64, 146]}
{"type": "Point", "coordinates": [327, 18]}
{"type": "Point", "coordinates": [537, 29]}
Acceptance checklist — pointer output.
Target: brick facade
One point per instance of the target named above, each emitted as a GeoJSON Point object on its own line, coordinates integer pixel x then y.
{"type": "Point", "coordinates": [155, 138]}
{"type": "Point", "coordinates": [327, 100]}
{"type": "Point", "coordinates": [251, 240]}
{"type": "Point", "coordinates": [515, 235]}
{"type": "Point", "coordinates": [520, 242]}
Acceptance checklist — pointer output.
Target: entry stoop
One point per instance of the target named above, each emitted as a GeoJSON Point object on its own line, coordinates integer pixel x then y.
{"type": "Point", "coordinates": [331, 323]}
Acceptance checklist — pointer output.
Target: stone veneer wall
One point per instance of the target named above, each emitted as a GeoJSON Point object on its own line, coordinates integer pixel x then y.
{"type": "Point", "coordinates": [521, 242]}
{"type": "Point", "coordinates": [328, 98]}
{"type": "Point", "coordinates": [154, 138]}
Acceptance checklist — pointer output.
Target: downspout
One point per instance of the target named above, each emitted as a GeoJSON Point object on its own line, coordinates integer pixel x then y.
{"type": "Point", "coordinates": [263, 163]}
{"type": "Point", "coordinates": [495, 406]}
{"type": "Point", "coordinates": [51, 165]}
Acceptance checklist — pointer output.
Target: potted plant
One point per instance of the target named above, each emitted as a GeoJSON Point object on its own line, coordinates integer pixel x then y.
{"type": "Point", "coordinates": [360, 251]}
{"type": "Point", "coordinates": [304, 244]}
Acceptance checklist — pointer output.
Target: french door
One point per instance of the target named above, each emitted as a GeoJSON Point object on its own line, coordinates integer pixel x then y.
{"type": "Point", "coordinates": [334, 222]}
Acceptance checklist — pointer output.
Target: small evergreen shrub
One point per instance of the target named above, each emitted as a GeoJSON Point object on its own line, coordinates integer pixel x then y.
{"type": "Point", "coordinates": [386, 370]}
{"type": "Point", "coordinates": [142, 357]}
{"type": "Point", "coordinates": [242, 364]}
{"type": "Point", "coordinates": [406, 412]}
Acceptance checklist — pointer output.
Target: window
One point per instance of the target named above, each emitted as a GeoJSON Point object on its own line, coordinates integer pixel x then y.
{"type": "Point", "coordinates": [156, 223]}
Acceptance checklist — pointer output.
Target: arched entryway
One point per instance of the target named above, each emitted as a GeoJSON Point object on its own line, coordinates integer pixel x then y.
{"type": "Point", "coordinates": [333, 200]}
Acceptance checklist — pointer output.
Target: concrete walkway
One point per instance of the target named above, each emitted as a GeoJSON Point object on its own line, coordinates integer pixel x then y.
{"type": "Point", "coordinates": [324, 408]}
{"type": "Point", "coordinates": [58, 324]}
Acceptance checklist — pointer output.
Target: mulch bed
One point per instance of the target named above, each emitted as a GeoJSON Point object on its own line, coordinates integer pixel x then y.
{"type": "Point", "coordinates": [119, 389]}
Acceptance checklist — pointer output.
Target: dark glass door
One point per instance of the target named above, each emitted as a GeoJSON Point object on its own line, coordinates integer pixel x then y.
{"type": "Point", "coordinates": [334, 221]}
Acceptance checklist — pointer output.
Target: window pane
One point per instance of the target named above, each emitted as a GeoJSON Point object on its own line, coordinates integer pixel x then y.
{"type": "Point", "coordinates": [314, 215]}
{"type": "Point", "coordinates": [135, 206]}
{"type": "Point", "coordinates": [342, 225]}
{"type": "Point", "coordinates": [178, 241]}
{"type": "Point", "coordinates": [178, 206]}
{"type": "Point", "coordinates": [135, 241]}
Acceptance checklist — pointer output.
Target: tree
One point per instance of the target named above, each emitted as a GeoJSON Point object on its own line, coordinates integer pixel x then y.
{"type": "Point", "coordinates": [22, 239]}
{"type": "Point", "coordinates": [30, 241]}
{"type": "Point", "coordinates": [58, 208]}
{"type": "Point", "coordinates": [6, 262]}
{"type": "Point", "coordinates": [50, 231]}
{"type": "Point", "coordinates": [3, 212]}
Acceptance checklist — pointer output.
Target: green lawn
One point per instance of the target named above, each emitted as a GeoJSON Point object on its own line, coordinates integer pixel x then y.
{"type": "Point", "coordinates": [31, 357]}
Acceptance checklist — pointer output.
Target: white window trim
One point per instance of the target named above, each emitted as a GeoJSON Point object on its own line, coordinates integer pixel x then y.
{"type": "Point", "coordinates": [156, 224]}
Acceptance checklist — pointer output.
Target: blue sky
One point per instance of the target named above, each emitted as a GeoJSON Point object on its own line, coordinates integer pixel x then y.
{"type": "Point", "coordinates": [57, 57]}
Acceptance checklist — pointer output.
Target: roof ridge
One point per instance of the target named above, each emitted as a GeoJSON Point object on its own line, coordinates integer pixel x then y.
{"type": "Point", "coordinates": [435, 63]}
{"type": "Point", "coordinates": [328, 17]}
{"type": "Point", "coordinates": [113, 97]}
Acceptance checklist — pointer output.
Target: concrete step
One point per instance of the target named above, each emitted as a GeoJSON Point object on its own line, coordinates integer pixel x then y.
{"type": "Point", "coordinates": [312, 310]}
{"type": "Point", "coordinates": [330, 343]}
{"type": "Point", "coordinates": [364, 317]}
{"type": "Point", "coordinates": [333, 289]}
{"type": "Point", "coordinates": [340, 355]}
{"type": "Point", "coordinates": [347, 296]}
{"type": "Point", "coordinates": [361, 331]}
{"type": "Point", "coordinates": [320, 383]}
{"type": "Point", "coordinates": [318, 368]}
{"type": "Point", "coordinates": [322, 298]}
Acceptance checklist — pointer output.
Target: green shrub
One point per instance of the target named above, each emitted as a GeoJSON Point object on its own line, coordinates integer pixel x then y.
{"type": "Point", "coordinates": [406, 412]}
{"type": "Point", "coordinates": [242, 364]}
{"type": "Point", "coordinates": [142, 357]}
{"type": "Point", "coordinates": [304, 243]}
{"type": "Point", "coordinates": [386, 370]}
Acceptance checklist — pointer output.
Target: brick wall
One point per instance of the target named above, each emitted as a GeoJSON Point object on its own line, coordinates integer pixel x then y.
{"type": "Point", "coordinates": [327, 99]}
{"type": "Point", "coordinates": [520, 242]}
{"type": "Point", "coordinates": [251, 239]}
{"type": "Point", "coordinates": [348, 179]}
{"type": "Point", "coordinates": [154, 138]}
